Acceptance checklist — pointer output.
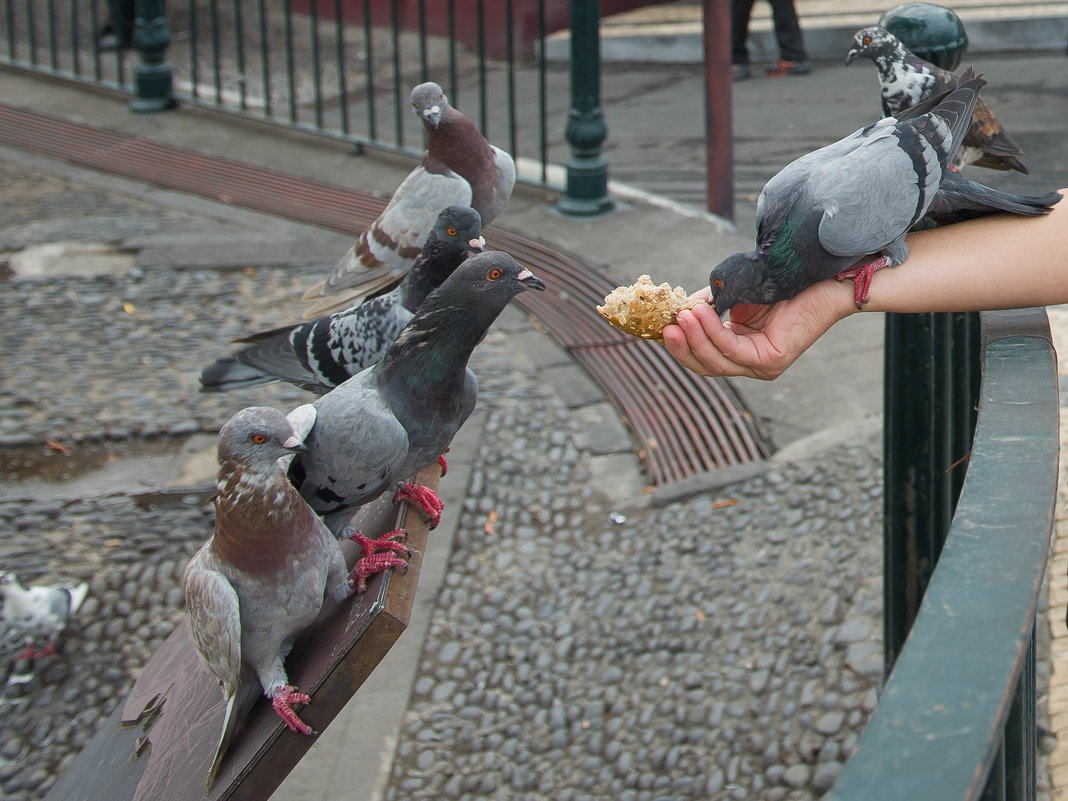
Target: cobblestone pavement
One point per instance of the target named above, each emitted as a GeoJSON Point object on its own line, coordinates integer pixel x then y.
{"type": "Point", "coordinates": [722, 646]}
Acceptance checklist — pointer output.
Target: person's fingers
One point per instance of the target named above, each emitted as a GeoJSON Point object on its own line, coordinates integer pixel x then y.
{"type": "Point", "coordinates": [695, 348]}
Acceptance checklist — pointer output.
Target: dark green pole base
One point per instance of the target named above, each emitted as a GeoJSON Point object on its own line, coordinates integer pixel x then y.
{"type": "Point", "coordinates": [152, 89]}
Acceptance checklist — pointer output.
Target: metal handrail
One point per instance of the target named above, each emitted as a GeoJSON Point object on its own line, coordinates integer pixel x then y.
{"type": "Point", "coordinates": [957, 715]}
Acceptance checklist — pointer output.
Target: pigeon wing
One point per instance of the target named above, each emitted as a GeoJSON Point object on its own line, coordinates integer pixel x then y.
{"type": "Point", "coordinates": [214, 619]}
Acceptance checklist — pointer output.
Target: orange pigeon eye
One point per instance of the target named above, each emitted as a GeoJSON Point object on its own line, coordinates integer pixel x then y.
{"type": "Point", "coordinates": [718, 284]}
{"type": "Point", "coordinates": [450, 231]}
{"type": "Point", "coordinates": [493, 274]}
{"type": "Point", "coordinates": [867, 40]}
{"type": "Point", "coordinates": [259, 439]}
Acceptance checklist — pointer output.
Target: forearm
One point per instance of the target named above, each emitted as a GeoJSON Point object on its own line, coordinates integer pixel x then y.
{"type": "Point", "coordinates": [1000, 262]}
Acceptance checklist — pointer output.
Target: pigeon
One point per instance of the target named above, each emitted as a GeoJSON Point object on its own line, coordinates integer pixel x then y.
{"type": "Point", "coordinates": [396, 417]}
{"type": "Point", "coordinates": [321, 354]}
{"type": "Point", "coordinates": [833, 207]}
{"type": "Point", "coordinates": [39, 613]}
{"type": "Point", "coordinates": [262, 577]}
{"type": "Point", "coordinates": [906, 79]}
{"type": "Point", "coordinates": [459, 168]}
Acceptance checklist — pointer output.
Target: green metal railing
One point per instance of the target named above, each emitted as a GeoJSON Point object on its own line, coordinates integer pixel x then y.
{"type": "Point", "coordinates": [956, 719]}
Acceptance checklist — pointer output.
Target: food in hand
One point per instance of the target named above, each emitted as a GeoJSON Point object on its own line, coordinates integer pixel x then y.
{"type": "Point", "coordinates": [643, 309]}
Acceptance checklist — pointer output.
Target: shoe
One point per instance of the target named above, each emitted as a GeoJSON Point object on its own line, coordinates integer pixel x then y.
{"type": "Point", "coordinates": [783, 68]}
{"type": "Point", "coordinates": [739, 72]}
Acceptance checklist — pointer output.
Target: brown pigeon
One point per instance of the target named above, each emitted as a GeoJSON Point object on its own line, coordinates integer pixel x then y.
{"type": "Point", "coordinates": [906, 79]}
{"type": "Point", "coordinates": [261, 579]}
{"type": "Point", "coordinates": [459, 168]}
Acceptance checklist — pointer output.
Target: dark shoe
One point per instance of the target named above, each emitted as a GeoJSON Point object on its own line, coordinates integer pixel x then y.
{"type": "Point", "coordinates": [783, 68]}
{"type": "Point", "coordinates": [739, 72]}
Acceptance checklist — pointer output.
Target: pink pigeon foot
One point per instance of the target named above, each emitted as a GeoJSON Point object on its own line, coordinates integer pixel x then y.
{"type": "Point", "coordinates": [443, 463]}
{"type": "Point", "coordinates": [378, 555]}
{"type": "Point", "coordinates": [862, 276]}
{"type": "Point", "coordinates": [284, 698]}
{"type": "Point", "coordinates": [424, 497]}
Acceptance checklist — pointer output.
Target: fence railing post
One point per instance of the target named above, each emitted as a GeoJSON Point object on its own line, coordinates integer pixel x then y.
{"type": "Point", "coordinates": [586, 193]}
{"type": "Point", "coordinates": [153, 88]}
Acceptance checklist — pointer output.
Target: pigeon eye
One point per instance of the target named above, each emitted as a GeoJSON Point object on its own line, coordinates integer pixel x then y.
{"type": "Point", "coordinates": [450, 231]}
{"type": "Point", "coordinates": [259, 439]}
{"type": "Point", "coordinates": [866, 40]}
{"type": "Point", "coordinates": [717, 283]}
{"type": "Point", "coordinates": [493, 274]}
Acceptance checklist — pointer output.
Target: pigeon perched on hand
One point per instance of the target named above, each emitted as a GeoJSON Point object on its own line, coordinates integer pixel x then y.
{"type": "Point", "coordinates": [321, 354]}
{"type": "Point", "coordinates": [38, 613]}
{"type": "Point", "coordinates": [396, 417]}
{"type": "Point", "coordinates": [833, 207]}
{"type": "Point", "coordinates": [261, 579]}
{"type": "Point", "coordinates": [459, 168]}
{"type": "Point", "coordinates": [906, 79]}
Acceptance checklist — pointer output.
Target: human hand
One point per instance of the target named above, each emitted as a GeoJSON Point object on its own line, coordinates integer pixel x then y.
{"type": "Point", "coordinates": [757, 341]}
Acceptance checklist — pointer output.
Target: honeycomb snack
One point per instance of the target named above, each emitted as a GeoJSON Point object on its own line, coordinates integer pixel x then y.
{"type": "Point", "coordinates": [643, 308]}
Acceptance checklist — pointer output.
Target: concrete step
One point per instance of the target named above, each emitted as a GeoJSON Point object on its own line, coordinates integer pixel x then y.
{"type": "Point", "coordinates": [672, 33]}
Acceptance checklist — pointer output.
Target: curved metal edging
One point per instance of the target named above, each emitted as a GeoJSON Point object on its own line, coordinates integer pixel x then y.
{"type": "Point", "coordinates": [938, 727]}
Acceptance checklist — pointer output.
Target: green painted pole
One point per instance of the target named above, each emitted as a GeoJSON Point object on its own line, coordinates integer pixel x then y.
{"type": "Point", "coordinates": [586, 193]}
{"type": "Point", "coordinates": [153, 88]}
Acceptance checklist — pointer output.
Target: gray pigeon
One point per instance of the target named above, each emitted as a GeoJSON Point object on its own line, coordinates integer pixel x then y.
{"type": "Point", "coordinates": [396, 417]}
{"type": "Point", "coordinates": [261, 579]}
{"type": "Point", "coordinates": [905, 79]}
{"type": "Point", "coordinates": [828, 210]}
{"type": "Point", "coordinates": [459, 168]}
{"type": "Point", "coordinates": [321, 354]}
{"type": "Point", "coordinates": [39, 613]}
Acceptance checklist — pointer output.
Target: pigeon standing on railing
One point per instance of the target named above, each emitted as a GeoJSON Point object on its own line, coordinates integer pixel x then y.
{"type": "Point", "coordinates": [459, 168]}
{"type": "Point", "coordinates": [38, 613]}
{"type": "Point", "coordinates": [829, 209]}
{"type": "Point", "coordinates": [261, 579]}
{"type": "Point", "coordinates": [905, 79]}
{"type": "Point", "coordinates": [395, 418]}
{"type": "Point", "coordinates": [321, 354]}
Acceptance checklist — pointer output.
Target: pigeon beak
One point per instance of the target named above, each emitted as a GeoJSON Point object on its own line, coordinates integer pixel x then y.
{"type": "Point", "coordinates": [296, 444]}
{"type": "Point", "coordinates": [851, 56]}
{"type": "Point", "coordinates": [478, 245]}
{"type": "Point", "coordinates": [433, 115]}
{"type": "Point", "coordinates": [531, 281]}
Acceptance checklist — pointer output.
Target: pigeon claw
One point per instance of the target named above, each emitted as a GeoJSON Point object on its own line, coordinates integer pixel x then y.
{"type": "Point", "coordinates": [443, 463]}
{"type": "Point", "coordinates": [283, 700]}
{"type": "Point", "coordinates": [378, 556]}
{"type": "Point", "coordinates": [424, 497]}
{"type": "Point", "coordinates": [862, 276]}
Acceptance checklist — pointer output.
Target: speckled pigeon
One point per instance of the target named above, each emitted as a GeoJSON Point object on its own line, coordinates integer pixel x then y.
{"type": "Point", "coordinates": [39, 613]}
{"type": "Point", "coordinates": [261, 579]}
{"type": "Point", "coordinates": [459, 168]}
{"type": "Point", "coordinates": [906, 79]}
{"type": "Point", "coordinates": [396, 417]}
{"type": "Point", "coordinates": [321, 354]}
{"type": "Point", "coordinates": [830, 209]}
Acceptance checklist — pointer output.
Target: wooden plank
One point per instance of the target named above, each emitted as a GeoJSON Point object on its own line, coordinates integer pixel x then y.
{"type": "Point", "coordinates": [158, 744]}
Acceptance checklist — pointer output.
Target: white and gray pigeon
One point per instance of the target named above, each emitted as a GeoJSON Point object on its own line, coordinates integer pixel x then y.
{"type": "Point", "coordinates": [850, 201]}
{"type": "Point", "coordinates": [905, 79]}
{"type": "Point", "coordinates": [321, 354]}
{"type": "Point", "coordinates": [262, 577]}
{"type": "Point", "coordinates": [39, 613]}
{"type": "Point", "coordinates": [396, 417]}
{"type": "Point", "coordinates": [459, 168]}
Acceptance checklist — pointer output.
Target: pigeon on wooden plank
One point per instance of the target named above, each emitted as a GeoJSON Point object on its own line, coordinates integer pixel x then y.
{"type": "Point", "coordinates": [396, 417]}
{"type": "Point", "coordinates": [38, 613]}
{"type": "Point", "coordinates": [321, 354]}
{"type": "Point", "coordinates": [828, 210]}
{"type": "Point", "coordinates": [906, 79]}
{"type": "Point", "coordinates": [262, 577]}
{"type": "Point", "coordinates": [459, 168]}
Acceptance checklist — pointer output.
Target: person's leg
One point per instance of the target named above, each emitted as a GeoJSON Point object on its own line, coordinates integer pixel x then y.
{"type": "Point", "coordinates": [789, 37]}
{"type": "Point", "coordinates": [740, 13]}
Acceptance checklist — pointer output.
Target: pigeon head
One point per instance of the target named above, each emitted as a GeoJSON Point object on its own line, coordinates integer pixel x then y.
{"type": "Point", "coordinates": [256, 438]}
{"type": "Point", "coordinates": [429, 103]}
{"type": "Point", "coordinates": [741, 278]}
{"type": "Point", "coordinates": [873, 43]}
{"type": "Point", "coordinates": [459, 227]}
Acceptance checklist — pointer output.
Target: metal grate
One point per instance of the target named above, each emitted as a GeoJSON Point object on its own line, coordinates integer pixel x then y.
{"type": "Point", "coordinates": [684, 424]}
